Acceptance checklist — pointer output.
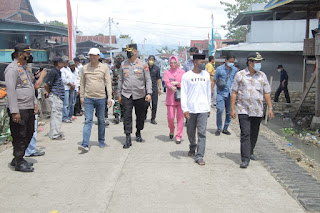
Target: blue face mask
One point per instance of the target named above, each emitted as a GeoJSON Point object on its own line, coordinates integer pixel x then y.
{"type": "Point", "coordinates": [257, 67]}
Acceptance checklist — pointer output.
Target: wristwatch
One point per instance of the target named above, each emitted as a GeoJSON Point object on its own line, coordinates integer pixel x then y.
{"type": "Point", "coordinates": [270, 108]}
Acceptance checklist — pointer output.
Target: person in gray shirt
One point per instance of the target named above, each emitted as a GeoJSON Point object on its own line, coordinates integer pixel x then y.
{"type": "Point", "coordinates": [134, 88]}
{"type": "Point", "coordinates": [22, 105]}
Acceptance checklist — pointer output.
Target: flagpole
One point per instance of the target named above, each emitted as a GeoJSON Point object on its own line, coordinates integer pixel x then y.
{"type": "Point", "coordinates": [69, 33]}
{"type": "Point", "coordinates": [212, 36]}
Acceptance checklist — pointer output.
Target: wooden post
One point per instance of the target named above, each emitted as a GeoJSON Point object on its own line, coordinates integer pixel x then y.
{"type": "Point", "coordinates": [317, 101]}
{"type": "Point", "coordinates": [308, 23]}
{"type": "Point", "coordinates": [266, 117]}
{"type": "Point", "coordinates": [304, 74]}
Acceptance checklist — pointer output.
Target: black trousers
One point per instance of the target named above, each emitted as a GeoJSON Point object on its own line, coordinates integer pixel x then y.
{"type": "Point", "coordinates": [286, 93]}
{"type": "Point", "coordinates": [22, 133]}
{"type": "Point", "coordinates": [77, 106]}
{"type": "Point", "coordinates": [249, 127]}
{"type": "Point", "coordinates": [139, 108]}
{"type": "Point", "coordinates": [154, 102]}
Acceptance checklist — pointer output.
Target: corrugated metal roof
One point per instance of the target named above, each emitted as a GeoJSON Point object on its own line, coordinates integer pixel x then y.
{"type": "Point", "coordinates": [266, 47]}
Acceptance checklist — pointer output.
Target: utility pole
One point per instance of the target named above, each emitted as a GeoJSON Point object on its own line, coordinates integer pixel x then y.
{"type": "Point", "coordinates": [110, 40]}
{"type": "Point", "coordinates": [212, 36]}
{"type": "Point", "coordinates": [144, 48]}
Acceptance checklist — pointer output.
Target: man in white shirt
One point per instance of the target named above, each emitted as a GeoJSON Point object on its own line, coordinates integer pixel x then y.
{"type": "Point", "coordinates": [73, 93]}
{"type": "Point", "coordinates": [196, 104]}
{"type": "Point", "coordinates": [67, 79]}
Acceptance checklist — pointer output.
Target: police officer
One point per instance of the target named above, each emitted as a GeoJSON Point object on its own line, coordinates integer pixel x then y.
{"type": "Point", "coordinates": [156, 88]}
{"type": "Point", "coordinates": [22, 105]}
{"type": "Point", "coordinates": [134, 83]}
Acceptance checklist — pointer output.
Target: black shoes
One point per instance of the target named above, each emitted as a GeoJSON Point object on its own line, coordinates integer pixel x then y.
{"type": "Point", "coordinates": [138, 136]}
{"type": "Point", "coordinates": [13, 162]}
{"type": "Point", "coordinates": [116, 118]}
{"type": "Point", "coordinates": [154, 122]}
{"type": "Point", "coordinates": [23, 166]}
{"type": "Point", "coordinates": [253, 157]}
{"type": "Point", "coordinates": [218, 132]}
{"type": "Point", "coordinates": [244, 164]}
{"type": "Point", "coordinates": [171, 136]}
{"type": "Point", "coordinates": [128, 142]}
{"type": "Point", "coordinates": [226, 132]}
{"type": "Point", "coordinates": [191, 153]}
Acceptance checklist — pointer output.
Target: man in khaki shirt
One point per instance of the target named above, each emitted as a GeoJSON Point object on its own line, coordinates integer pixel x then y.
{"type": "Point", "coordinates": [95, 77]}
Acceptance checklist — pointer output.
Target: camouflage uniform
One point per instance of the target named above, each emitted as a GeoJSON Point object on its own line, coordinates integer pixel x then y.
{"type": "Point", "coordinates": [117, 108]}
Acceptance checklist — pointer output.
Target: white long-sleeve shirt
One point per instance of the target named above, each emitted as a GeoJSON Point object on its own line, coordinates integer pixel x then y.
{"type": "Point", "coordinates": [196, 92]}
{"type": "Point", "coordinates": [67, 77]}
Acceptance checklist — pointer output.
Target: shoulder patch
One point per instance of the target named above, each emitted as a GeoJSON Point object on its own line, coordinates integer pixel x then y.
{"type": "Point", "coordinates": [146, 68]}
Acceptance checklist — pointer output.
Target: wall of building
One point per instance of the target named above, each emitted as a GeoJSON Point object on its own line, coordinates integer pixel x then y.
{"type": "Point", "coordinates": [291, 61]}
{"type": "Point", "coordinates": [279, 31]}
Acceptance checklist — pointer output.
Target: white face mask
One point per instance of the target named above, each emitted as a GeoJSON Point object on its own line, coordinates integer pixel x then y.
{"type": "Point", "coordinates": [230, 64]}
{"type": "Point", "coordinates": [279, 70]}
{"type": "Point", "coordinates": [191, 57]}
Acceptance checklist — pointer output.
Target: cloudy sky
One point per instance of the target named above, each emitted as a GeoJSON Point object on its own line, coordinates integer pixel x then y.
{"type": "Point", "coordinates": [166, 23]}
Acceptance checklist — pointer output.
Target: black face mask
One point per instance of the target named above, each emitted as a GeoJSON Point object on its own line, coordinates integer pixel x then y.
{"type": "Point", "coordinates": [118, 64]}
{"type": "Point", "coordinates": [129, 54]}
{"type": "Point", "coordinates": [29, 59]}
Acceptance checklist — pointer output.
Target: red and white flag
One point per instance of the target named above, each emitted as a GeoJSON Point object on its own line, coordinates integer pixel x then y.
{"type": "Point", "coordinates": [185, 54]}
{"type": "Point", "coordinates": [71, 33]}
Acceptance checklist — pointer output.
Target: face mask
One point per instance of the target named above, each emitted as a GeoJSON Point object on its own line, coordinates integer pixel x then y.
{"type": "Point", "coordinates": [257, 67]}
{"type": "Point", "coordinates": [118, 64]}
{"type": "Point", "coordinates": [191, 57]}
{"type": "Point", "coordinates": [202, 66]}
{"type": "Point", "coordinates": [129, 54]}
{"type": "Point", "coordinates": [230, 64]}
{"type": "Point", "coordinates": [29, 59]}
{"type": "Point", "coordinates": [279, 70]}
{"type": "Point", "coordinates": [151, 63]}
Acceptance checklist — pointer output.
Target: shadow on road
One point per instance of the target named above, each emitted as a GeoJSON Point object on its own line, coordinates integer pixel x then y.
{"type": "Point", "coordinates": [178, 154]}
{"type": "Point", "coordinates": [164, 138]}
{"type": "Point", "coordinates": [121, 139]}
{"type": "Point", "coordinates": [235, 157]}
{"type": "Point", "coordinates": [212, 131]}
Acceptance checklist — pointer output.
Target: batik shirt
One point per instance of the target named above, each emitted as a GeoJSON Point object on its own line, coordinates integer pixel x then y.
{"type": "Point", "coordinates": [251, 90]}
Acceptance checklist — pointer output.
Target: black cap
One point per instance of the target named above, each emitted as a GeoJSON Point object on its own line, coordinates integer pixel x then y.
{"type": "Point", "coordinates": [194, 50]}
{"type": "Point", "coordinates": [131, 47]}
{"type": "Point", "coordinates": [57, 59]}
{"type": "Point", "coordinates": [255, 56]}
{"type": "Point", "coordinates": [22, 47]}
{"type": "Point", "coordinates": [198, 56]}
{"type": "Point", "coordinates": [280, 66]}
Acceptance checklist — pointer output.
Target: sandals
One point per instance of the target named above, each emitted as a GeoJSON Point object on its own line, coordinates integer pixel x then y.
{"type": "Point", "coordinates": [200, 162]}
{"type": "Point", "coordinates": [178, 142]}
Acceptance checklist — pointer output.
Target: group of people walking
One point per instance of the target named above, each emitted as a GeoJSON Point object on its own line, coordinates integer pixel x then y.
{"type": "Point", "coordinates": [135, 84]}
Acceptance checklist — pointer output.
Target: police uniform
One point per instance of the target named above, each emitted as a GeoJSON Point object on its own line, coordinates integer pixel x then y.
{"type": "Point", "coordinates": [134, 83]}
{"type": "Point", "coordinates": [21, 99]}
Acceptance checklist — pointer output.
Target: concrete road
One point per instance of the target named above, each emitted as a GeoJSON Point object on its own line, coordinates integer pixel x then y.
{"type": "Point", "coordinates": [154, 176]}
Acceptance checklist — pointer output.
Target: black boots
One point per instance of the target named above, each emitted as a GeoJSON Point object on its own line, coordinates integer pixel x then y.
{"type": "Point", "coordinates": [128, 142]}
{"type": "Point", "coordinates": [23, 166]}
{"type": "Point", "coordinates": [138, 136]}
{"type": "Point", "coordinates": [116, 119]}
{"type": "Point", "coordinates": [13, 162]}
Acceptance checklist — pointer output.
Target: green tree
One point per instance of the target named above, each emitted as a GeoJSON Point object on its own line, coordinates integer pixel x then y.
{"type": "Point", "coordinates": [56, 23]}
{"type": "Point", "coordinates": [100, 34]}
{"type": "Point", "coordinates": [237, 32]}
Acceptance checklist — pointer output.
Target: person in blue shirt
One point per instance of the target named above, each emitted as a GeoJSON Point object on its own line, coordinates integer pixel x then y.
{"type": "Point", "coordinates": [226, 73]}
{"type": "Point", "coordinates": [189, 64]}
